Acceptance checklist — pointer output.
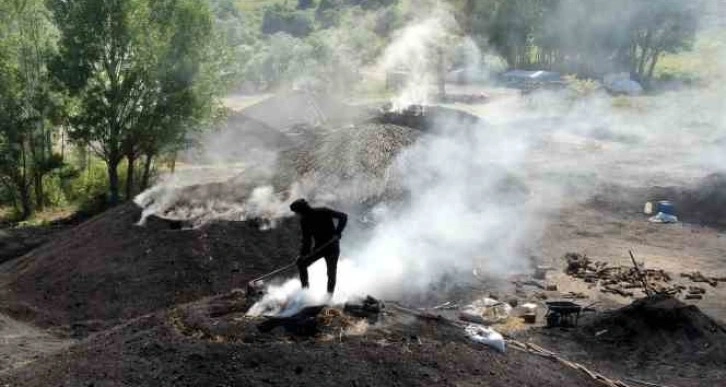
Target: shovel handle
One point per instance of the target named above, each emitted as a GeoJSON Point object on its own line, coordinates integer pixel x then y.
{"type": "Point", "coordinates": [294, 263]}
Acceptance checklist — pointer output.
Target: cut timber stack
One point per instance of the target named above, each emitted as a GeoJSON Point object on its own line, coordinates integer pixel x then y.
{"type": "Point", "coordinates": [620, 279]}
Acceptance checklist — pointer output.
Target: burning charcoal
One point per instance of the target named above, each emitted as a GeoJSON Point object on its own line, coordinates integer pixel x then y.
{"type": "Point", "coordinates": [370, 309]}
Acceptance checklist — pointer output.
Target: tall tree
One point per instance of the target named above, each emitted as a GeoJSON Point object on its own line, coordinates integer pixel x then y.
{"type": "Point", "coordinates": [125, 61]}
{"type": "Point", "coordinates": [27, 40]}
{"type": "Point", "coordinates": [657, 28]}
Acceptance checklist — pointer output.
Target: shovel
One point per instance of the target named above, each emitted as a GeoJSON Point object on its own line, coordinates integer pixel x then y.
{"type": "Point", "coordinates": [254, 287]}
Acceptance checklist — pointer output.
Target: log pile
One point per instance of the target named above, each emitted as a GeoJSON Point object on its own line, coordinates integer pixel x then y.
{"type": "Point", "coordinates": [620, 280]}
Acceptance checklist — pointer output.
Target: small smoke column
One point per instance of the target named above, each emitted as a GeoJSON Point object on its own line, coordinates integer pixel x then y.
{"type": "Point", "coordinates": [415, 53]}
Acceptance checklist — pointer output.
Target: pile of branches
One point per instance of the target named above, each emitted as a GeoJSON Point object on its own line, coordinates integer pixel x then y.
{"type": "Point", "coordinates": [620, 280]}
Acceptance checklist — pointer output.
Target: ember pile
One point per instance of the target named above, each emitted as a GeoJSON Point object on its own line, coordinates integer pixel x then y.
{"type": "Point", "coordinates": [620, 280]}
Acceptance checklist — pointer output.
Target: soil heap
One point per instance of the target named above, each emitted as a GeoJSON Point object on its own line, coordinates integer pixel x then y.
{"type": "Point", "coordinates": [107, 269]}
{"type": "Point", "coordinates": [212, 343]}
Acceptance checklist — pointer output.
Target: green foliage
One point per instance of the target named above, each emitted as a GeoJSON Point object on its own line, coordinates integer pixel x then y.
{"type": "Point", "coordinates": [305, 4]}
{"type": "Point", "coordinates": [28, 106]}
{"type": "Point", "coordinates": [143, 73]}
{"type": "Point", "coordinates": [280, 18]}
{"type": "Point", "coordinates": [343, 38]}
{"type": "Point", "coordinates": [581, 87]}
{"type": "Point", "coordinates": [586, 37]}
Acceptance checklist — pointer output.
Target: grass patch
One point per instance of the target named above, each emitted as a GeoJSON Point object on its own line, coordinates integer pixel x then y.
{"type": "Point", "coordinates": [254, 5]}
{"type": "Point", "coordinates": [704, 62]}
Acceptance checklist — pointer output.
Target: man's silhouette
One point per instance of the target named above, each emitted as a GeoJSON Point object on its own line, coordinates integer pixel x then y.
{"type": "Point", "coordinates": [318, 230]}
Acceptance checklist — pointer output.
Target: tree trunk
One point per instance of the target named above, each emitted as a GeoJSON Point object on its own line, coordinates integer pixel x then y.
{"type": "Point", "coordinates": [173, 162]}
{"type": "Point", "coordinates": [39, 195]}
{"type": "Point", "coordinates": [147, 172]}
{"type": "Point", "coordinates": [130, 176]}
{"type": "Point", "coordinates": [25, 202]}
{"type": "Point", "coordinates": [24, 187]}
{"type": "Point", "coordinates": [653, 61]}
{"type": "Point", "coordinates": [641, 65]}
{"type": "Point", "coordinates": [113, 181]}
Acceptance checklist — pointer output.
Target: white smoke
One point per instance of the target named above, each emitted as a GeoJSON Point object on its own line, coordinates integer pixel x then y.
{"type": "Point", "coordinates": [467, 208]}
{"type": "Point", "coordinates": [480, 195]}
{"type": "Point", "coordinates": [414, 55]}
{"type": "Point", "coordinates": [466, 211]}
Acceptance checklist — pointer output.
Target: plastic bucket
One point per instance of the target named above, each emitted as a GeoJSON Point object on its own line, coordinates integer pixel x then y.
{"type": "Point", "coordinates": [666, 207]}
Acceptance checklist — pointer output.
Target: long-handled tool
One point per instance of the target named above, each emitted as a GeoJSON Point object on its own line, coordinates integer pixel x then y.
{"type": "Point", "coordinates": [254, 287]}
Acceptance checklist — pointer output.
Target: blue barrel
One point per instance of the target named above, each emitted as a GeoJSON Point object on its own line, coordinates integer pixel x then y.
{"type": "Point", "coordinates": [666, 207]}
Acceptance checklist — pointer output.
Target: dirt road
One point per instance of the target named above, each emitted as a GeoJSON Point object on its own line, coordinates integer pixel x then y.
{"type": "Point", "coordinates": [21, 343]}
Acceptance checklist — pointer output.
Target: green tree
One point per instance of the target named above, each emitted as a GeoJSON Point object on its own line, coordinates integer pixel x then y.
{"type": "Point", "coordinates": [127, 62]}
{"type": "Point", "coordinates": [305, 4]}
{"type": "Point", "coordinates": [585, 37]}
{"type": "Point", "coordinates": [279, 18]}
{"type": "Point", "coordinates": [327, 14]}
{"type": "Point", "coordinates": [657, 28]}
{"type": "Point", "coordinates": [27, 105]}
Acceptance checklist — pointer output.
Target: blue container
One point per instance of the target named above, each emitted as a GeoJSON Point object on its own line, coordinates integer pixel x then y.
{"type": "Point", "coordinates": [666, 207]}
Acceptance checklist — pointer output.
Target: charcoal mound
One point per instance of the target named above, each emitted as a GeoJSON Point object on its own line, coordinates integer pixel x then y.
{"type": "Point", "coordinates": [659, 327]}
{"type": "Point", "coordinates": [108, 269]}
{"type": "Point", "coordinates": [706, 203]}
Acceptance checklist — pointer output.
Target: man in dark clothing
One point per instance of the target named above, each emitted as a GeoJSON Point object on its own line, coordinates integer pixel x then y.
{"type": "Point", "coordinates": [318, 227]}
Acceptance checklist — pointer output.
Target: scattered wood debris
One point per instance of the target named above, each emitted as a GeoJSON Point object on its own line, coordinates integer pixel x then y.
{"type": "Point", "coordinates": [620, 280]}
{"type": "Point", "coordinates": [575, 295]}
{"type": "Point", "coordinates": [696, 276]}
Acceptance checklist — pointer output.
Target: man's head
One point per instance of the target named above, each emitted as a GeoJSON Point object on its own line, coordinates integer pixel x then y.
{"type": "Point", "coordinates": [300, 206]}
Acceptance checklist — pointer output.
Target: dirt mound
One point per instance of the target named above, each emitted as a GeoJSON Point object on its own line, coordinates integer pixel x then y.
{"type": "Point", "coordinates": [108, 269]}
{"type": "Point", "coordinates": [351, 164]}
{"type": "Point", "coordinates": [702, 204]}
{"type": "Point", "coordinates": [660, 327]}
{"type": "Point", "coordinates": [354, 162]}
{"type": "Point", "coordinates": [212, 343]}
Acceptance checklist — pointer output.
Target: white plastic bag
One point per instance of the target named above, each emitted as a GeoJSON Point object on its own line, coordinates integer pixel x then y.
{"type": "Point", "coordinates": [486, 336]}
{"type": "Point", "coordinates": [663, 218]}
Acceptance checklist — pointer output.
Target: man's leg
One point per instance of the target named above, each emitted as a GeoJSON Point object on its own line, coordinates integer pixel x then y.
{"type": "Point", "coordinates": [331, 262]}
{"type": "Point", "coordinates": [302, 267]}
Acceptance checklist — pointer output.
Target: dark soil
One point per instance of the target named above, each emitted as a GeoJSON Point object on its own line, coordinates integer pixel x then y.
{"type": "Point", "coordinates": [702, 204]}
{"type": "Point", "coordinates": [16, 241]}
{"type": "Point", "coordinates": [661, 326]}
{"type": "Point", "coordinates": [659, 339]}
{"type": "Point", "coordinates": [108, 269]}
{"type": "Point", "coordinates": [211, 343]}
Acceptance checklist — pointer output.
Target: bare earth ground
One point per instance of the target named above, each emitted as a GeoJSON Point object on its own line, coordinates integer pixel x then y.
{"type": "Point", "coordinates": [676, 248]}
{"type": "Point", "coordinates": [22, 343]}
{"type": "Point", "coordinates": [607, 237]}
